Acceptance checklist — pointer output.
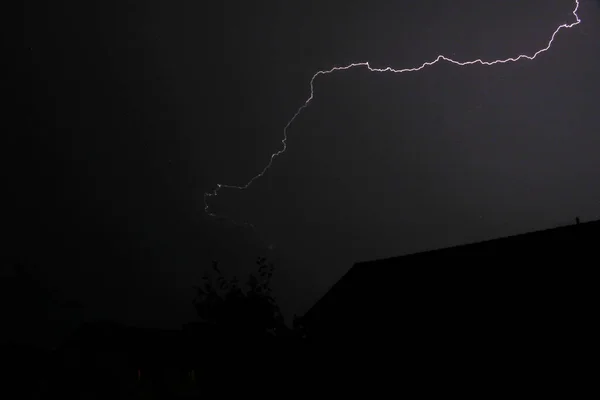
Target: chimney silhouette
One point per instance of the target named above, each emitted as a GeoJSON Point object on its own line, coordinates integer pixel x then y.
{"type": "Point", "coordinates": [577, 220]}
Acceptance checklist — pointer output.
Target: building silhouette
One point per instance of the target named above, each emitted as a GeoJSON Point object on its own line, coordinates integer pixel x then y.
{"type": "Point", "coordinates": [521, 297]}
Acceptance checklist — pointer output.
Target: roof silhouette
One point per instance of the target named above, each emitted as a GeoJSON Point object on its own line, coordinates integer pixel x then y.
{"type": "Point", "coordinates": [546, 270]}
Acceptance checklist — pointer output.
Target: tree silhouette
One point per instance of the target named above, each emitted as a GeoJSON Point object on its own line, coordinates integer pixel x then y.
{"type": "Point", "coordinates": [248, 309]}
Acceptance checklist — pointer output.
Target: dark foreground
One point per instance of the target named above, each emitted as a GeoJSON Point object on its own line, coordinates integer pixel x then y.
{"type": "Point", "coordinates": [109, 361]}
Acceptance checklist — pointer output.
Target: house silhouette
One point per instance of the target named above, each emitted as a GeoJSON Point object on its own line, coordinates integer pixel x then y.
{"type": "Point", "coordinates": [529, 294]}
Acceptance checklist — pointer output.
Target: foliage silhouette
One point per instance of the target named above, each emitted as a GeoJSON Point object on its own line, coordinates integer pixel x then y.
{"type": "Point", "coordinates": [249, 309]}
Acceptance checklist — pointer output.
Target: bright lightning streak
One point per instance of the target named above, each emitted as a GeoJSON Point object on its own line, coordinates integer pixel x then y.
{"type": "Point", "coordinates": [388, 69]}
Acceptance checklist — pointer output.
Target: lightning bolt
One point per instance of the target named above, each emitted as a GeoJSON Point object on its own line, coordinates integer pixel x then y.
{"type": "Point", "coordinates": [366, 64]}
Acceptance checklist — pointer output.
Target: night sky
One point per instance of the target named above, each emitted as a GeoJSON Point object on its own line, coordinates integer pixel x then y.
{"type": "Point", "coordinates": [123, 115]}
